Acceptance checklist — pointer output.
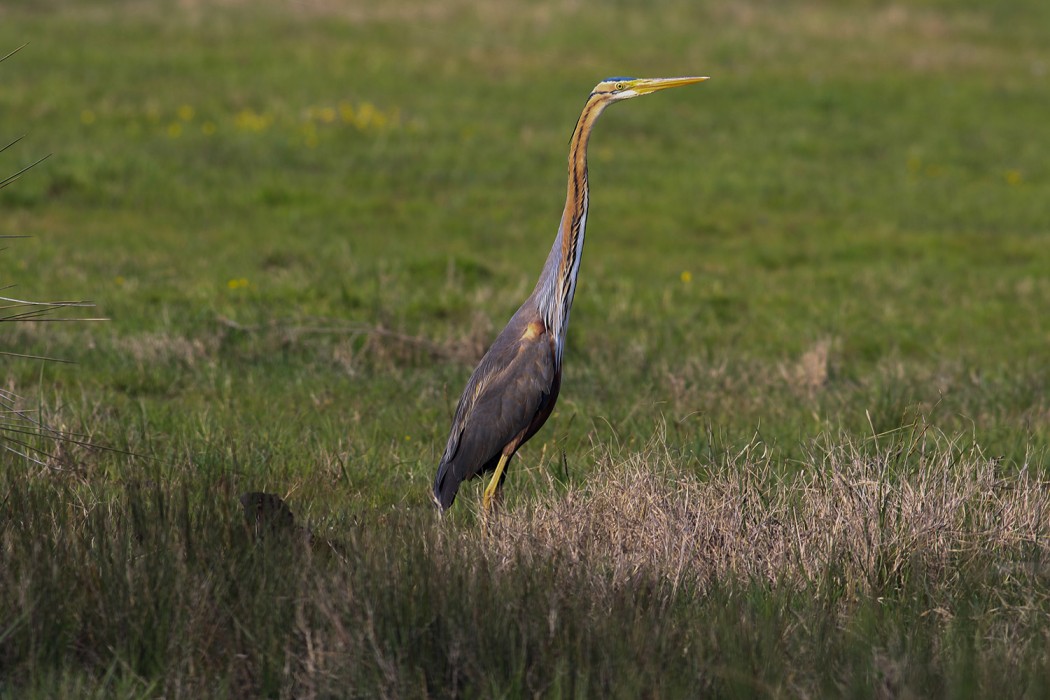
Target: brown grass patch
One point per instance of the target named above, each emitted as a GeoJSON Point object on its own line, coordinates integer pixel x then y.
{"type": "Point", "coordinates": [810, 373]}
{"type": "Point", "coordinates": [160, 348]}
{"type": "Point", "coordinates": [862, 519]}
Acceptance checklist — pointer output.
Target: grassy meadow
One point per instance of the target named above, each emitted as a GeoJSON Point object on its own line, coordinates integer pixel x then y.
{"type": "Point", "coordinates": [802, 446]}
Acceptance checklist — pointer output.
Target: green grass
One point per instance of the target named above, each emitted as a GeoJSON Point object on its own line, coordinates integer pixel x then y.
{"type": "Point", "coordinates": [306, 222]}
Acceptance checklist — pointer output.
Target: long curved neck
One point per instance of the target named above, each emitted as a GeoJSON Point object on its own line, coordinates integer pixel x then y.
{"type": "Point", "coordinates": [557, 284]}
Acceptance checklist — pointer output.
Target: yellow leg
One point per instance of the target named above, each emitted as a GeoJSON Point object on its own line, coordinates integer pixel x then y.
{"type": "Point", "coordinates": [490, 490]}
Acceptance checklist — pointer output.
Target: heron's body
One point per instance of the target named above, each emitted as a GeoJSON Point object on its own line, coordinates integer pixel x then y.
{"type": "Point", "coordinates": [513, 390]}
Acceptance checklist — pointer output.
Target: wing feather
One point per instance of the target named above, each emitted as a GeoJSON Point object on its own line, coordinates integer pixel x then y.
{"type": "Point", "coordinates": [510, 386]}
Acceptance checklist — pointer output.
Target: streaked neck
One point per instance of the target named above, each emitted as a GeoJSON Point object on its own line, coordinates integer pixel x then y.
{"type": "Point", "coordinates": [557, 284]}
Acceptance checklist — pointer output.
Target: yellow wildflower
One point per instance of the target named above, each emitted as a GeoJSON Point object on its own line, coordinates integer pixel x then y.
{"type": "Point", "coordinates": [346, 112]}
{"type": "Point", "coordinates": [249, 120]}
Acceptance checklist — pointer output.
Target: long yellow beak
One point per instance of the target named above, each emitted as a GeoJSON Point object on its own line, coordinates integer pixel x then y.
{"type": "Point", "coordinates": [643, 86]}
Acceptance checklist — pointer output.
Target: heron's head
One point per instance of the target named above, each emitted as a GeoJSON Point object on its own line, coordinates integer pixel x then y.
{"type": "Point", "coordinates": [615, 89]}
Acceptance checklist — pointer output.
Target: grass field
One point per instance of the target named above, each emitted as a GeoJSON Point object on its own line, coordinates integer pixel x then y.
{"type": "Point", "coordinates": [802, 443]}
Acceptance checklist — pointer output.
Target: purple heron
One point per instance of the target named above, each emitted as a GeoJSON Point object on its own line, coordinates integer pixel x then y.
{"type": "Point", "coordinates": [514, 387]}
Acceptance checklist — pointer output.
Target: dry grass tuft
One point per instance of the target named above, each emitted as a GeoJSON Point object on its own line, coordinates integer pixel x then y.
{"type": "Point", "coordinates": [812, 369]}
{"type": "Point", "coordinates": [157, 348]}
{"type": "Point", "coordinates": [861, 520]}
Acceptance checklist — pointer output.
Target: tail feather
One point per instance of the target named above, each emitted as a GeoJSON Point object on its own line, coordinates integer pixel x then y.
{"type": "Point", "coordinates": [445, 487]}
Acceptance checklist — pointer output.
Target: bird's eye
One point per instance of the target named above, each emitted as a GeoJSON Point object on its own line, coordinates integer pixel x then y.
{"type": "Point", "coordinates": [619, 86]}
